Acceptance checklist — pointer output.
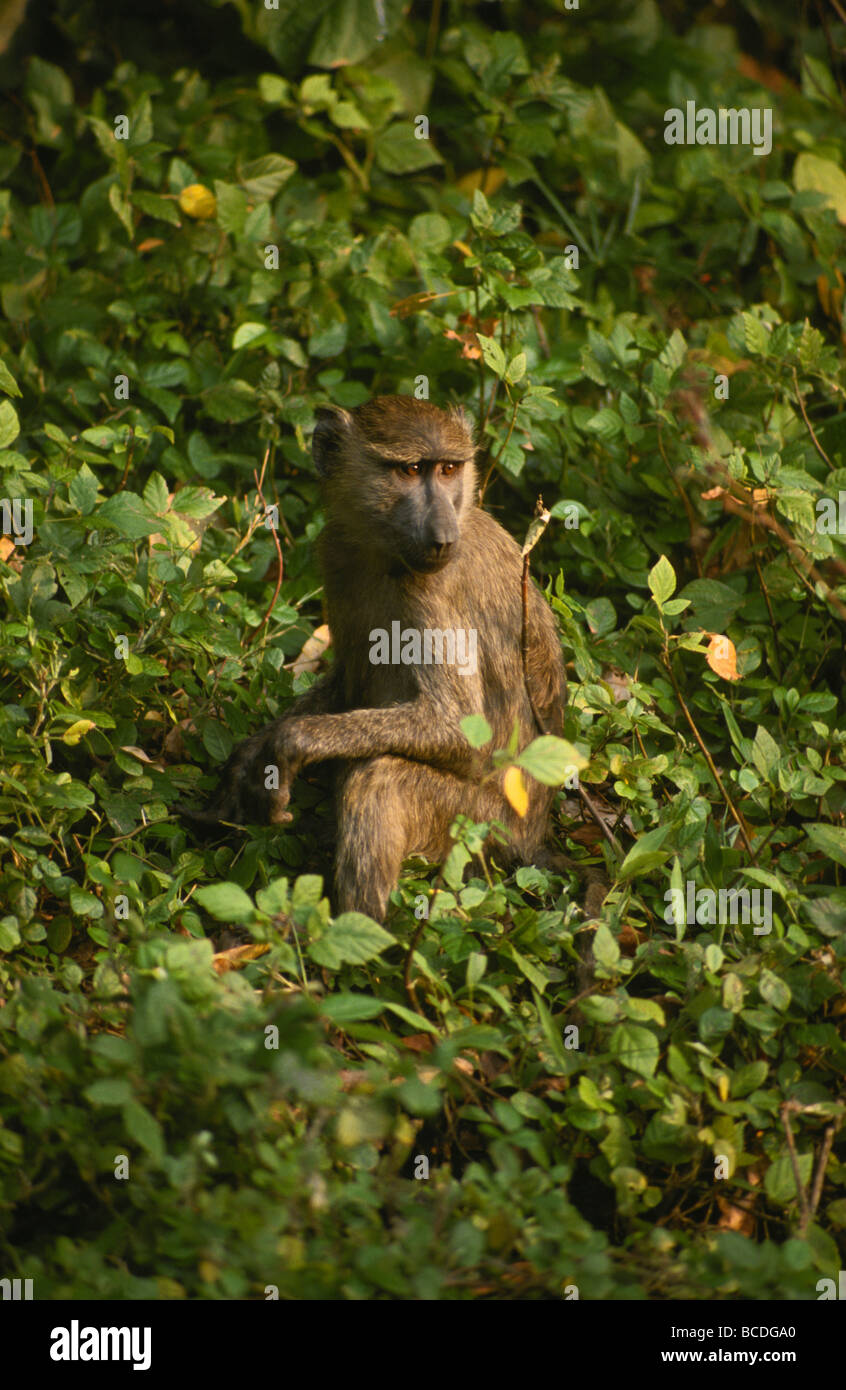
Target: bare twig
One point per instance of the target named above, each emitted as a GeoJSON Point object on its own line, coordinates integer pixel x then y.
{"type": "Point", "coordinates": [736, 816]}
{"type": "Point", "coordinates": [817, 445]}
{"type": "Point", "coordinates": [536, 530]}
{"type": "Point", "coordinates": [789, 1108]}
{"type": "Point", "coordinates": [280, 563]}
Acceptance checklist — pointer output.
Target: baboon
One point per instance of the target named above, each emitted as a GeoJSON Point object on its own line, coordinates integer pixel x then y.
{"type": "Point", "coordinates": [406, 552]}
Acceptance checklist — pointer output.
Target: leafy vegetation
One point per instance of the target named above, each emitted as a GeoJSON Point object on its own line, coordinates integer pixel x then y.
{"type": "Point", "coordinates": [195, 254]}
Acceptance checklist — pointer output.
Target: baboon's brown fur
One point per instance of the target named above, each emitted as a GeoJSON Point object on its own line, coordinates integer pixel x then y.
{"type": "Point", "coordinates": [405, 541]}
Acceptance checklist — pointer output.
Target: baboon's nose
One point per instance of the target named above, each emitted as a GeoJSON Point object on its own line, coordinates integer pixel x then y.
{"type": "Point", "coordinates": [440, 550]}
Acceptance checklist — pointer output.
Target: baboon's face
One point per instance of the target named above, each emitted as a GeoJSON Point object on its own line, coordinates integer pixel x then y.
{"type": "Point", "coordinates": [399, 478]}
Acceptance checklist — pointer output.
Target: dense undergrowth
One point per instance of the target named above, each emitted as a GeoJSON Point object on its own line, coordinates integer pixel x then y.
{"type": "Point", "coordinates": [207, 1085]}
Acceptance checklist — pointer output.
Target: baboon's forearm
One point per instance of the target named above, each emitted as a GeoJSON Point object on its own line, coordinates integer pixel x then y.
{"type": "Point", "coordinates": [416, 730]}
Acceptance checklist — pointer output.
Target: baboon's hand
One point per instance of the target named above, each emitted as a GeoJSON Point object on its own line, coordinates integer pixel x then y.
{"type": "Point", "coordinates": [255, 784]}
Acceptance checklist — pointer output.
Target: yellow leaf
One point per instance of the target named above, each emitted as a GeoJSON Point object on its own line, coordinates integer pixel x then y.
{"type": "Point", "coordinates": [515, 790]}
{"type": "Point", "coordinates": [77, 731]}
{"type": "Point", "coordinates": [722, 657]}
{"type": "Point", "coordinates": [490, 181]}
{"type": "Point", "coordinates": [198, 201]}
{"type": "Point", "coordinates": [723, 1086]}
{"type": "Point", "coordinates": [810, 172]}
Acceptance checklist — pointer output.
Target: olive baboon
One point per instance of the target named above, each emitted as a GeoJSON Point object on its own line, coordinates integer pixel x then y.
{"type": "Point", "coordinates": [413, 566]}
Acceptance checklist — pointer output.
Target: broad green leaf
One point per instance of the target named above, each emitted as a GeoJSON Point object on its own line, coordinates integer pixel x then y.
{"type": "Point", "coordinates": [551, 760]}
{"type": "Point", "coordinates": [646, 854]}
{"type": "Point", "coordinates": [227, 902]}
{"type": "Point", "coordinates": [662, 580]}
{"type": "Point", "coordinates": [635, 1047]}
{"type": "Point", "coordinates": [351, 939]}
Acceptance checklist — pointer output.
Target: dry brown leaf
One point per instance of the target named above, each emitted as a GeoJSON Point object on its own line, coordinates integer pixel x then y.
{"type": "Point", "coordinates": [313, 649]}
{"type": "Point", "coordinates": [415, 302]}
{"type": "Point", "coordinates": [418, 1042]}
{"type": "Point", "coordinates": [734, 1218]}
{"type": "Point", "coordinates": [722, 657]}
{"type": "Point", "coordinates": [136, 752]}
{"type": "Point", "coordinates": [630, 938]}
{"type": "Point", "coordinates": [763, 73]}
{"type": "Point", "coordinates": [236, 956]}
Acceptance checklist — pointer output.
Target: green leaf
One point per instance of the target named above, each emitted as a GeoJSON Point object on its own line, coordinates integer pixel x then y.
{"type": "Point", "coordinates": [749, 1078]}
{"type": "Point", "coordinates": [662, 580]}
{"type": "Point", "coordinates": [636, 1048]}
{"type": "Point", "coordinates": [493, 354]}
{"type": "Point", "coordinates": [82, 492]}
{"type": "Point", "coordinates": [477, 964]}
{"type": "Point", "coordinates": [275, 898]}
{"type": "Point", "coordinates": [9, 424]}
{"type": "Point", "coordinates": [399, 151]}
{"type": "Point", "coordinates": [247, 333]}
{"type": "Point", "coordinates": [129, 514]}
{"type": "Point", "coordinates": [606, 947]}
{"type": "Point", "coordinates": [535, 976]}
{"type": "Point", "coordinates": [10, 935]}
{"type": "Point", "coordinates": [351, 1008]}
{"type": "Point", "coordinates": [352, 939]}
{"type": "Point", "coordinates": [733, 995]}
{"type": "Point", "coordinates": [144, 1128]}
{"type": "Point", "coordinates": [7, 381]}
{"type": "Point", "coordinates": [812, 172]}
{"type": "Point", "coordinates": [516, 369]}
{"type": "Point", "coordinates": [111, 1090]}
{"type": "Point", "coordinates": [766, 753]}
{"type": "Point", "coordinates": [84, 904]}
{"type": "Point", "coordinates": [714, 604]}
{"type": "Point", "coordinates": [645, 855]}
{"type": "Point", "coordinates": [476, 730]}
{"type": "Point", "coordinates": [779, 1179]}
{"type": "Point", "coordinates": [829, 840]}
{"type": "Point", "coordinates": [551, 760]}
{"type": "Point", "coordinates": [154, 205]}
{"type": "Point", "coordinates": [774, 991]}
{"type": "Point", "coordinates": [351, 30]}
{"type": "Point", "coordinates": [227, 902]}
{"type": "Point", "coordinates": [262, 178]}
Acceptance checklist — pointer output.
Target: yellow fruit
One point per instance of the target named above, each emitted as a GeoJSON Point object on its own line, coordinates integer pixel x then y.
{"type": "Point", "coordinates": [198, 201]}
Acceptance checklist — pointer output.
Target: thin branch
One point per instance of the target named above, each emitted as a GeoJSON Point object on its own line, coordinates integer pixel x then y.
{"type": "Point", "coordinates": [817, 445]}
{"type": "Point", "coordinates": [280, 563]}
{"type": "Point", "coordinates": [712, 767]}
{"type": "Point", "coordinates": [822, 1164]}
{"type": "Point", "coordinates": [790, 1107]}
{"type": "Point", "coordinates": [500, 450]}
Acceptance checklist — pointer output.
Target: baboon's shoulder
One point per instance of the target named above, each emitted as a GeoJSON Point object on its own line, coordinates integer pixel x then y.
{"type": "Point", "coordinates": [489, 535]}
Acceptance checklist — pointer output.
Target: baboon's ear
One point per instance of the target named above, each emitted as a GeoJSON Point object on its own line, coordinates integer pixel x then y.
{"type": "Point", "coordinates": [332, 426]}
{"type": "Point", "coordinates": [463, 420]}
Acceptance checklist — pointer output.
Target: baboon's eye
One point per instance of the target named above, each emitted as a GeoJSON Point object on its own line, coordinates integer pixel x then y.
{"type": "Point", "coordinates": [450, 467]}
{"type": "Point", "coordinates": [410, 470]}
